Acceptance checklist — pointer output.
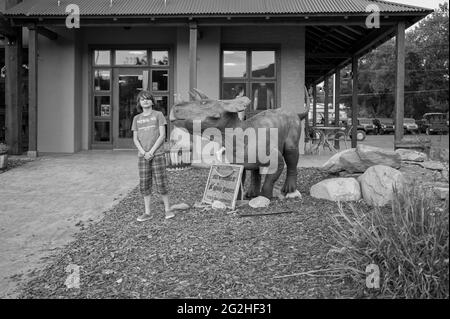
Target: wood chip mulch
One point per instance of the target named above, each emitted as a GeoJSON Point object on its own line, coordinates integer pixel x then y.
{"type": "Point", "coordinates": [199, 254]}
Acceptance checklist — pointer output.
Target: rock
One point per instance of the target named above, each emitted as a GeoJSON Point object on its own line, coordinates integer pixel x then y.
{"type": "Point", "coordinates": [440, 154]}
{"type": "Point", "coordinates": [432, 165]}
{"type": "Point", "coordinates": [294, 195]}
{"type": "Point", "coordinates": [445, 175]}
{"type": "Point", "coordinates": [411, 155]}
{"type": "Point", "coordinates": [378, 183]}
{"type": "Point", "coordinates": [416, 174]}
{"type": "Point", "coordinates": [337, 189]}
{"type": "Point", "coordinates": [349, 175]}
{"type": "Point", "coordinates": [334, 165]}
{"type": "Point", "coordinates": [360, 159]}
{"type": "Point", "coordinates": [442, 192]}
{"type": "Point", "coordinates": [378, 156]}
{"type": "Point", "coordinates": [181, 206]}
{"type": "Point", "coordinates": [259, 202]}
{"type": "Point", "coordinates": [218, 205]}
{"type": "Point", "coordinates": [352, 163]}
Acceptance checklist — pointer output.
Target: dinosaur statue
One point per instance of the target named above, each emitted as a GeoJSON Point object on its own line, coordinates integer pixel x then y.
{"type": "Point", "coordinates": [223, 114]}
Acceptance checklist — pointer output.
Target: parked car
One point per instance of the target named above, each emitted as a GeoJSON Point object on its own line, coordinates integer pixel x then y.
{"type": "Point", "coordinates": [367, 125]}
{"type": "Point", "coordinates": [433, 123]}
{"type": "Point", "coordinates": [361, 130]}
{"type": "Point", "coordinates": [410, 126]}
{"type": "Point", "coordinates": [387, 126]}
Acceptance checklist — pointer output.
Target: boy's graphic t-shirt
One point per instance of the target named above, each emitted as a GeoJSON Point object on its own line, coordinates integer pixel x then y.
{"type": "Point", "coordinates": [147, 127]}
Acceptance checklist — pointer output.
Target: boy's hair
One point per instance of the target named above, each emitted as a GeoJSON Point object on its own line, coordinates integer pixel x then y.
{"type": "Point", "coordinates": [144, 94]}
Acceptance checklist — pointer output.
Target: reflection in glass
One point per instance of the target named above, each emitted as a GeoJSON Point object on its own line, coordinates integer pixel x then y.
{"type": "Point", "coordinates": [102, 131]}
{"type": "Point", "coordinates": [161, 104]}
{"type": "Point", "coordinates": [129, 87]}
{"type": "Point", "coordinates": [234, 64]}
{"type": "Point", "coordinates": [263, 64]}
{"type": "Point", "coordinates": [102, 57]}
{"type": "Point", "coordinates": [263, 96]}
{"type": "Point", "coordinates": [102, 106]}
{"type": "Point", "coordinates": [102, 80]}
{"type": "Point", "coordinates": [160, 80]}
{"type": "Point", "coordinates": [233, 90]}
{"type": "Point", "coordinates": [160, 58]}
{"type": "Point", "coordinates": [131, 57]}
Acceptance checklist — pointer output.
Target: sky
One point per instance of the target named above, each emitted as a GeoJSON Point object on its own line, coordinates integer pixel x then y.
{"type": "Point", "coordinates": [432, 4]}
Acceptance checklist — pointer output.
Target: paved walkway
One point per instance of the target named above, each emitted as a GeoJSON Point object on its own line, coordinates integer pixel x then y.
{"type": "Point", "coordinates": [42, 201]}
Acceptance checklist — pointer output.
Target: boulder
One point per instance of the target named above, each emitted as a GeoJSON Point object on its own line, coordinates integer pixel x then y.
{"type": "Point", "coordinates": [360, 159]}
{"type": "Point", "coordinates": [378, 183]}
{"type": "Point", "coordinates": [337, 190]}
{"type": "Point", "coordinates": [416, 174]}
{"type": "Point", "coordinates": [334, 165]}
{"type": "Point", "coordinates": [440, 154]}
{"type": "Point", "coordinates": [432, 165]}
{"type": "Point", "coordinates": [441, 192]}
{"type": "Point", "coordinates": [371, 155]}
{"type": "Point", "coordinates": [411, 155]}
{"type": "Point", "coordinates": [259, 202]}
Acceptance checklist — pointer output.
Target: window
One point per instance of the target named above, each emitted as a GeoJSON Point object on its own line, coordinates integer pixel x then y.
{"type": "Point", "coordinates": [251, 73]}
{"type": "Point", "coordinates": [131, 57]}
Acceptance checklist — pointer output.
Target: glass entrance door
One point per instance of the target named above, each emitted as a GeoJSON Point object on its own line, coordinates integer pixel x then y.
{"type": "Point", "coordinates": [128, 83]}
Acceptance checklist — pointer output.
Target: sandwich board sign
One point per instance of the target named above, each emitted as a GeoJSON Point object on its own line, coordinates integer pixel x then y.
{"type": "Point", "coordinates": [223, 184]}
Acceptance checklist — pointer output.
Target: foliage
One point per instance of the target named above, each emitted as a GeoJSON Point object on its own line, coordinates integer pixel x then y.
{"type": "Point", "coordinates": [3, 148]}
{"type": "Point", "coordinates": [427, 72]}
{"type": "Point", "coordinates": [408, 242]}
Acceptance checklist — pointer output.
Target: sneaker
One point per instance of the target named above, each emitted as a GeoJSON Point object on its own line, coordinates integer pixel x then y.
{"type": "Point", "coordinates": [169, 214]}
{"type": "Point", "coordinates": [144, 217]}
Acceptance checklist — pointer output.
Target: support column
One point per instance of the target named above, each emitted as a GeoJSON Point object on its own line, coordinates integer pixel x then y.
{"type": "Point", "coordinates": [193, 31]}
{"type": "Point", "coordinates": [326, 101]}
{"type": "Point", "coordinates": [400, 82]}
{"type": "Point", "coordinates": [337, 97]}
{"type": "Point", "coordinates": [355, 107]}
{"type": "Point", "coordinates": [32, 90]}
{"type": "Point", "coordinates": [13, 98]}
{"type": "Point", "coordinates": [314, 105]}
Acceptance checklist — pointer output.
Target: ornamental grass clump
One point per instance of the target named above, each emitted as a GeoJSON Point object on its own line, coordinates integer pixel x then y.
{"type": "Point", "coordinates": [407, 241]}
{"type": "Point", "coordinates": [3, 149]}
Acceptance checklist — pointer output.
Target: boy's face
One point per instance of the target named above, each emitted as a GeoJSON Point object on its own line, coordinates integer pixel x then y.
{"type": "Point", "coordinates": [146, 102]}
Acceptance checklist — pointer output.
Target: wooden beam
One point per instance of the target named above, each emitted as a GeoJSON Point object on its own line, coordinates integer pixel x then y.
{"type": "Point", "coordinates": [337, 98]}
{"type": "Point", "coordinates": [32, 91]}
{"type": "Point", "coordinates": [13, 96]}
{"type": "Point", "coordinates": [355, 107]}
{"type": "Point", "coordinates": [47, 33]}
{"type": "Point", "coordinates": [193, 34]}
{"type": "Point", "coordinates": [326, 101]}
{"type": "Point", "coordinates": [400, 82]}
{"type": "Point", "coordinates": [328, 55]}
{"type": "Point", "coordinates": [314, 105]}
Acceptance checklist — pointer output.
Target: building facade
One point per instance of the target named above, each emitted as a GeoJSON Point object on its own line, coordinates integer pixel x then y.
{"type": "Point", "coordinates": [83, 81]}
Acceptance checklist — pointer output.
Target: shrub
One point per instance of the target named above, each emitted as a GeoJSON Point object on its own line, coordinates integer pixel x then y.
{"type": "Point", "coordinates": [408, 241]}
{"type": "Point", "coordinates": [3, 148]}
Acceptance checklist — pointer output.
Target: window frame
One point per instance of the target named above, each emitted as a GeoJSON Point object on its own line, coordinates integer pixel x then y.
{"type": "Point", "coordinates": [249, 80]}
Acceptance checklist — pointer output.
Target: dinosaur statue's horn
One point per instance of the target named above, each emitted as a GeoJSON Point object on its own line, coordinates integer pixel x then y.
{"type": "Point", "coordinates": [202, 95]}
{"type": "Point", "coordinates": [193, 96]}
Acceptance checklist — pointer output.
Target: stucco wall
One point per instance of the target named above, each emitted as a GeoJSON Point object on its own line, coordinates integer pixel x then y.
{"type": "Point", "coordinates": [292, 42]}
{"type": "Point", "coordinates": [56, 94]}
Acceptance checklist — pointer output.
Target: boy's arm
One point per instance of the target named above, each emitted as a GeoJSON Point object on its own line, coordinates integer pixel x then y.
{"type": "Point", "coordinates": [137, 143]}
{"type": "Point", "coordinates": [160, 140]}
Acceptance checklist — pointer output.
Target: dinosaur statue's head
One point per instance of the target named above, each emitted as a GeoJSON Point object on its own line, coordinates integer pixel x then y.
{"type": "Point", "coordinates": [211, 113]}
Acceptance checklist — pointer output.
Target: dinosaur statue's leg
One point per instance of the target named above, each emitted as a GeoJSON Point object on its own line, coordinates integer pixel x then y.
{"type": "Point", "coordinates": [269, 182]}
{"type": "Point", "coordinates": [241, 189]}
{"type": "Point", "coordinates": [291, 159]}
{"type": "Point", "coordinates": [255, 185]}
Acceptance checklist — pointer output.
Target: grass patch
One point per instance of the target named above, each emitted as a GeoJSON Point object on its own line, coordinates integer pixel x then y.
{"type": "Point", "coordinates": [408, 241]}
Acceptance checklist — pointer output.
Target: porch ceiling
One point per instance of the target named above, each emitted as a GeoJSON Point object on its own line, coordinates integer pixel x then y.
{"type": "Point", "coordinates": [335, 29]}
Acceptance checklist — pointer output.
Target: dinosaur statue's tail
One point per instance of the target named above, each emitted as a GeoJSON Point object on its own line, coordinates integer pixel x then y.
{"type": "Point", "coordinates": [304, 115]}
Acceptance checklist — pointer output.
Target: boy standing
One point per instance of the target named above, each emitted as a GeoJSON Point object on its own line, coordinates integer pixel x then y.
{"type": "Point", "coordinates": [149, 134]}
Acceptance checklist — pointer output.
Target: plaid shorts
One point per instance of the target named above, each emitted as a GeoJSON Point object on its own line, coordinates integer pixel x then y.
{"type": "Point", "coordinates": [154, 169]}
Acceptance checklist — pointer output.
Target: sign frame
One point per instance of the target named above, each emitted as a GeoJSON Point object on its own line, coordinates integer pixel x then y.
{"type": "Point", "coordinates": [238, 183]}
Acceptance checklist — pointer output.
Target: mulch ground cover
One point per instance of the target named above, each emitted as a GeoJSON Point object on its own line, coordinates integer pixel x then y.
{"type": "Point", "coordinates": [200, 254]}
{"type": "Point", "coordinates": [14, 163]}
